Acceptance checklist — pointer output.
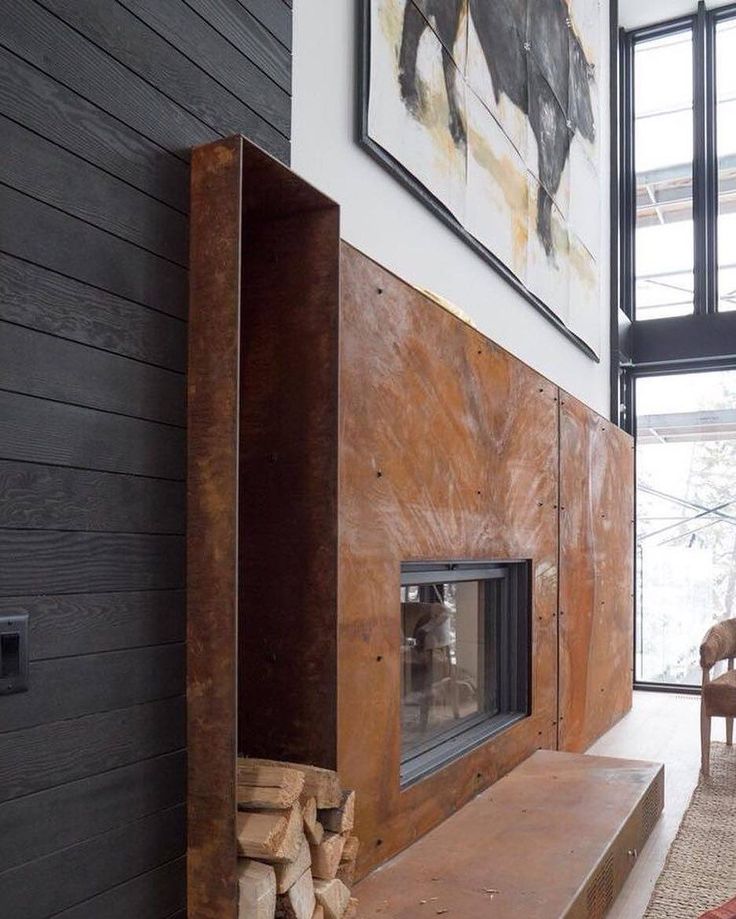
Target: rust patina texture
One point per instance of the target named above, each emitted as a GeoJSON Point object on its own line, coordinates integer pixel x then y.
{"type": "Point", "coordinates": [212, 533]}
{"type": "Point", "coordinates": [448, 449]}
{"type": "Point", "coordinates": [288, 648]}
{"type": "Point", "coordinates": [596, 574]}
{"type": "Point", "coordinates": [262, 455]}
{"type": "Point", "coordinates": [342, 422]}
{"type": "Point", "coordinates": [556, 837]}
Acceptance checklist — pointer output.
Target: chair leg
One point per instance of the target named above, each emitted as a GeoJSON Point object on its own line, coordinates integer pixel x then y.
{"type": "Point", "coordinates": [704, 742]}
{"type": "Point", "coordinates": [729, 731]}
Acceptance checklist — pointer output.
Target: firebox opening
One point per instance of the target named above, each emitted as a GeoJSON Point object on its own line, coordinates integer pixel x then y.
{"type": "Point", "coordinates": [465, 658]}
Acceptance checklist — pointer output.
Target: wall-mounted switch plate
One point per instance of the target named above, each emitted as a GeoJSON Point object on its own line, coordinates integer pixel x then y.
{"type": "Point", "coordinates": [13, 653]}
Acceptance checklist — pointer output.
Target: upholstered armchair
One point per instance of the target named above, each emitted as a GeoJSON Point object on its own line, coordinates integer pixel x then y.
{"type": "Point", "coordinates": [719, 695]}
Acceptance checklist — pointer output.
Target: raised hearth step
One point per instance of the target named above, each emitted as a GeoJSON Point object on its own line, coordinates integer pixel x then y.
{"type": "Point", "coordinates": [556, 837]}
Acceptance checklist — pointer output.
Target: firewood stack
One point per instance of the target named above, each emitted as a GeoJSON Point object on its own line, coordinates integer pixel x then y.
{"type": "Point", "coordinates": [296, 852]}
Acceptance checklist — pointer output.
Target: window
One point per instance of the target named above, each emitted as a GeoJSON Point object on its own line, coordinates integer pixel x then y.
{"type": "Point", "coordinates": [465, 652]}
{"type": "Point", "coordinates": [674, 351]}
{"type": "Point", "coordinates": [725, 48]}
{"type": "Point", "coordinates": [686, 519]}
{"type": "Point", "coordinates": [663, 148]}
{"type": "Point", "coordinates": [679, 167]}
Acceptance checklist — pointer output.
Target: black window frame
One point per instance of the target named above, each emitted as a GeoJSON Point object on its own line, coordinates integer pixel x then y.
{"type": "Point", "coordinates": [704, 340]}
{"type": "Point", "coordinates": [702, 25]}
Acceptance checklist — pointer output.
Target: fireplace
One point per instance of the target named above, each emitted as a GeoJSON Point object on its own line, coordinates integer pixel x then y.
{"type": "Point", "coordinates": [465, 648]}
{"type": "Point", "coordinates": [308, 442]}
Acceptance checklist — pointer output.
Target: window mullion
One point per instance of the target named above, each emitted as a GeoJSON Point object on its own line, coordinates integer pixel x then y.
{"type": "Point", "coordinates": [700, 165]}
{"type": "Point", "coordinates": [711, 162]}
{"type": "Point", "coordinates": [628, 177]}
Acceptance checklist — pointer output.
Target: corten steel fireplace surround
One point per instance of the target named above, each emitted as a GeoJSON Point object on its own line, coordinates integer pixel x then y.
{"type": "Point", "coordinates": [342, 423]}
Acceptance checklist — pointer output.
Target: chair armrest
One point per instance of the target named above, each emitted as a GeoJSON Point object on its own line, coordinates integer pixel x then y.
{"type": "Point", "coordinates": [719, 643]}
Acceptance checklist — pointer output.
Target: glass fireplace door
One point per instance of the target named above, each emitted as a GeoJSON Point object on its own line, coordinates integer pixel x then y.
{"type": "Point", "coordinates": [464, 648]}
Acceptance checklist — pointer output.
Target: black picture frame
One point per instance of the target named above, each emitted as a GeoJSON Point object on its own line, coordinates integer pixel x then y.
{"type": "Point", "coordinates": [422, 193]}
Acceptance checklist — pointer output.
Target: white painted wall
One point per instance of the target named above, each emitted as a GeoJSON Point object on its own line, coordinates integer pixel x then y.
{"type": "Point", "coordinates": [387, 223]}
{"type": "Point", "coordinates": [632, 14]}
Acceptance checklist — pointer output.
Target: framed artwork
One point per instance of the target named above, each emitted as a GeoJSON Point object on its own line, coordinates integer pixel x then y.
{"type": "Point", "coordinates": [490, 112]}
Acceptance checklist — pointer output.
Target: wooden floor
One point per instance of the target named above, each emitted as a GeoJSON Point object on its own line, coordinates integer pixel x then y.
{"type": "Point", "coordinates": [664, 728]}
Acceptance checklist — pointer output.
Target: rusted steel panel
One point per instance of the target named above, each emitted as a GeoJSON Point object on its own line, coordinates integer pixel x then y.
{"type": "Point", "coordinates": [596, 574]}
{"type": "Point", "coordinates": [288, 641]}
{"type": "Point", "coordinates": [263, 318]}
{"type": "Point", "coordinates": [212, 531]}
{"type": "Point", "coordinates": [556, 837]}
{"type": "Point", "coordinates": [342, 422]}
{"type": "Point", "coordinates": [448, 449]}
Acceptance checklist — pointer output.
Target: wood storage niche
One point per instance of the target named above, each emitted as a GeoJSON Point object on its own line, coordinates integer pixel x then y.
{"type": "Point", "coordinates": [342, 424]}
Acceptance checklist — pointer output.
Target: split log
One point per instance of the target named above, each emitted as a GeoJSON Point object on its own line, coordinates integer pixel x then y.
{"type": "Point", "coordinates": [326, 856]}
{"type": "Point", "coordinates": [340, 819]}
{"type": "Point", "coordinates": [350, 852]}
{"type": "Point", "coordinates": [346, 872]}
{"type": "Point", "coordinates": [256, 890]}
{"type": "Point", "coordinates": [322, 784]}
{"type": "Point", "coordinates": [271, 836]}
{"type": "Point", "coordinates": [268, 786]}
{"type": "Point", "coordinates": [333, 896]}
{"type": "Point", "coordinates": [312, 827]}
{"type": "Point", "coordinates": [287, 875]}
{"type": "Point", "coordinates": [298, 902]}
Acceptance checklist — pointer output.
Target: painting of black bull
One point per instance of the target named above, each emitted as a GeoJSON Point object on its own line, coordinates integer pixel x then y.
{"type": "Point", "coordinates": [534, 58]}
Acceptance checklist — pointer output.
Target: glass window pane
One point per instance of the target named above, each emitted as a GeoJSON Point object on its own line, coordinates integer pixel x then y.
{"type": "Point", "coordinates": [726, 128]}
{"type": "Point", "coordinates": [686, 519]}
{"type": "Point", "coordinates": [663, 144]}
{"type": "Point", "coordinates": [448, 658]}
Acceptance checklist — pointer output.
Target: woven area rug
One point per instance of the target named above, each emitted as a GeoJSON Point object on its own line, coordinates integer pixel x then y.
{"type": "Point", "coordinates": [700, 871]}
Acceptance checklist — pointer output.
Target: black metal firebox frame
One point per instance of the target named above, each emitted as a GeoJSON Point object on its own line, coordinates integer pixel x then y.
{"type": "Point", "coordinates": [512, 656]}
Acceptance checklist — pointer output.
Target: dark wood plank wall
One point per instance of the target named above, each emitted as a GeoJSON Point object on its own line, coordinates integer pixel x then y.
{"type": "Point", "coordinates": [100, 101]}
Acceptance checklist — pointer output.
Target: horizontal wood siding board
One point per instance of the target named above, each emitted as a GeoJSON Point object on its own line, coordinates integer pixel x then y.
{"type": "Point", "coordinates": [247, 34]}
{"type": "Point", "coordinates": [71, 624]}
{"type": "Point", "coordinates": [275, 15]}
{"type": "Point", "coordinates": [53, 754]}
{"type": "Point", "coordinates": [53, 368]}
{"type": "Point", "coordinates": [44, 40]}
{"type": "Point", "coordinates": [134, 44]}
{"type": "Point", "coordinates": [87, 869]}
{"type": "Point", "coordinates": [47, 301]}
{"type": "Point", "coordinates": [37, 825]}
{"type": "Point", "coordinates": [46, 236]}
{"type": "Point", "coordinates": [35, 100]}
{"type": "Point", "coordinates": [51, 174]}
{"type": "Point", "coordinates": [68, 687]}
{"type": "Point", "coordinates": [35, 497]}
{"type": "Point", "coordinates": [149, 896]}
{"type": "Point", "coordinates": [248, 81]}
{"type": "Point", "coordinates": [39, 431]}
{"type": "Point", "coordinates": [45, 561]}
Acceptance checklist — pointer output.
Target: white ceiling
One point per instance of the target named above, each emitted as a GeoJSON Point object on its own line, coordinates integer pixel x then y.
{"type": "Point", "coordinates": [635, 13]}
